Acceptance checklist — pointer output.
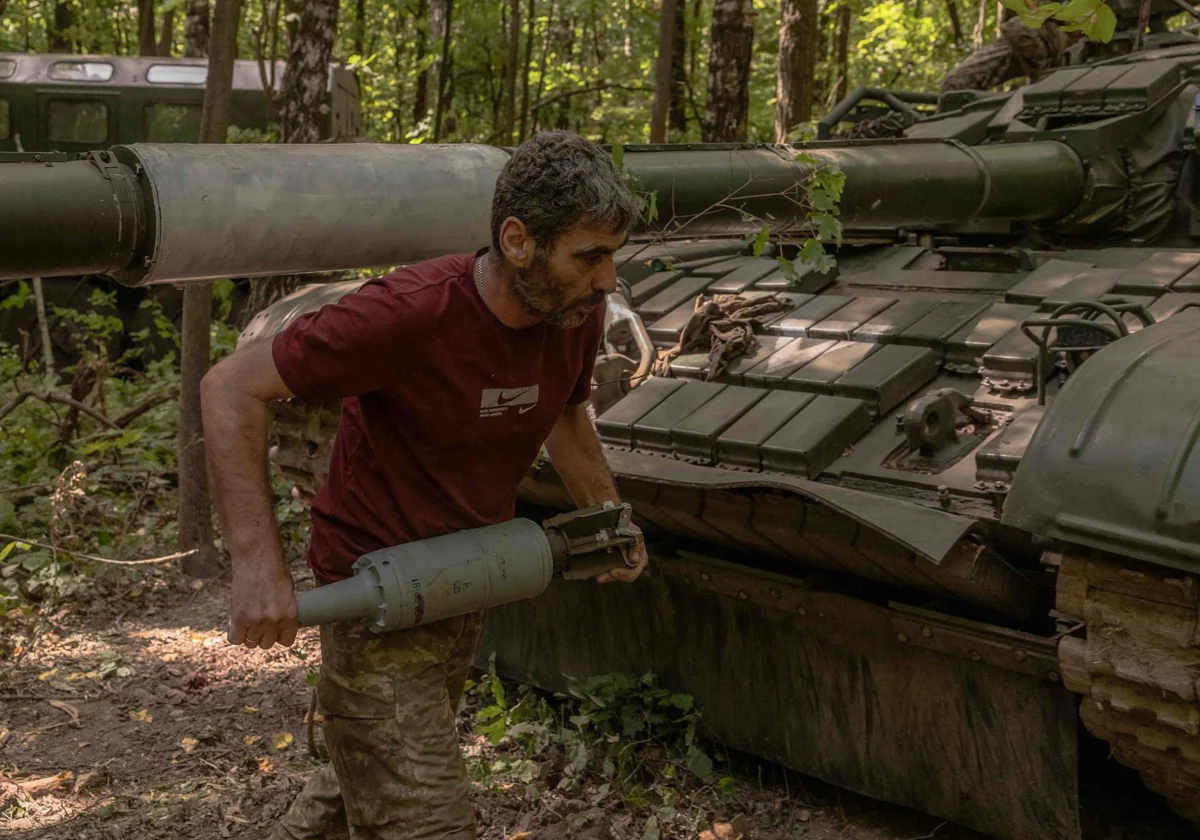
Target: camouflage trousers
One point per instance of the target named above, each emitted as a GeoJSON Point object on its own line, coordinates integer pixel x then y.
{"type": "Point", "coordinates": [389, 702]}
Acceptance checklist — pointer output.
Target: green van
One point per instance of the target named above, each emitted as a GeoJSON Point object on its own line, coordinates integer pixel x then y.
{"type": "Point", "coordinates": [77, 103]}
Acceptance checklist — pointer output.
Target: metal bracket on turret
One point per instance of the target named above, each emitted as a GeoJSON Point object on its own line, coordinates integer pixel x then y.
{"type": "Point", "coordinates": [1075, 329]}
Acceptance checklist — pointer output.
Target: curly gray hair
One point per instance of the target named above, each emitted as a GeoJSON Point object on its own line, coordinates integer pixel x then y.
{"type": "Point", "coordinates": [556, 179]}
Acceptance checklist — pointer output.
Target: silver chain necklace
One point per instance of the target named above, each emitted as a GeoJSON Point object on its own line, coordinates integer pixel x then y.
{"type": "Point", "coordinates": [479, 280]}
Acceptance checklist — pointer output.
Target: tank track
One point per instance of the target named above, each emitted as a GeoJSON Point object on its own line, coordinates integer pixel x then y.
{"type": "Point", "coordinates": [1138, 668]}
{"type": "Point", "coordinates": [302, 442]}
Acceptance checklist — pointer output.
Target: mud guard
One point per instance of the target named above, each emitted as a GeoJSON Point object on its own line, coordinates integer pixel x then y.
{"type": "Point", "coordinates": [961, 720]}
{"type": "Point", "coordinates": [930, 534]}
{"type": "Point", "coordinates": [1132, 410]}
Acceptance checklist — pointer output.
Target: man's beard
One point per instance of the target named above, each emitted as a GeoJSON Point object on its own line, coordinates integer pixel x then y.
{"type": "Point", "coordinates": [542, 296]}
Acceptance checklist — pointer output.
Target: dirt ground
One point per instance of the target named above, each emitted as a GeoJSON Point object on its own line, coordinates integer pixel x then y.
{"type": "Point", "coordinates": [133, 718]}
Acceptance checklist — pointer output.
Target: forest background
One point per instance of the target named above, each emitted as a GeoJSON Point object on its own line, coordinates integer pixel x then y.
{"type": "Point", "coordinates": [497, 70]}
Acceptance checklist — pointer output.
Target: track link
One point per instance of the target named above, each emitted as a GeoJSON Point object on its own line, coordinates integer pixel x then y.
{"type": "Point", "coordinates": [1138, 668]}
{"type": "Point", "coordinates": [302, 442]}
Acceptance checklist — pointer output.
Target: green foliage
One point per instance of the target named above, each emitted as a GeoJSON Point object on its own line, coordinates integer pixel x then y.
{"type": "Point", "coordinates": [1091, 17]}
{"type": "Point", "coordinates": [592, 61]}
{"type": "Point", "coordinates": [902, 45]}
{"type": "Point", "coordinates": [817, 196]}
{"type": "Point", "coordinates": [608, 736]}
{"type": "Point", "coordinates": [82, 487]}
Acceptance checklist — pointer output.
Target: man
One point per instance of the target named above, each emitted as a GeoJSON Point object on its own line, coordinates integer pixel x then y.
{"type": "Point", "coordinates": [452, 375]}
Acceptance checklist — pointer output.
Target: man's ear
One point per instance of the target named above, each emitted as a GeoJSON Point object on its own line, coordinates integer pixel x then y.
{"type": "Point", "coordinates": [515, 242]}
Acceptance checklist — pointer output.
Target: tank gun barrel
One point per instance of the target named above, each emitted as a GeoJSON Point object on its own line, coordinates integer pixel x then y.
{"type": "Point", "coordinates": [889, 184]}
{"type": "Point", "coordinates": [150, 213]}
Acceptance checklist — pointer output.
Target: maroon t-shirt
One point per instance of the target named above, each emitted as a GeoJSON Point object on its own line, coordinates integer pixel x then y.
{"type": "Point", "coordinates": [444, 408]}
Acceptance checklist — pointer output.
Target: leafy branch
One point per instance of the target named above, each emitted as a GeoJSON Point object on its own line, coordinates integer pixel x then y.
{"type": "Point", "coordinates": [1091, 17]}
{"type": "Point", "coordinates": [813, 198]}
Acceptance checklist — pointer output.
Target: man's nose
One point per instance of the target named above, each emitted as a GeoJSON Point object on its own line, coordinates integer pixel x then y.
{"type": "Point", "coordinates": [607, 279]}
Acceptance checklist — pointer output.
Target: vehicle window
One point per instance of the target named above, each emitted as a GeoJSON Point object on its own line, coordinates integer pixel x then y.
{"type": "Point", "coordinates": [81, 71]}
{"type": "Point", "coordinates": [175, 74]}
{"type": "Point", "coordinates": [77, 121]}
{"type": "Point", "coordinates": [168, 123]}
{"type": "Point", "coordinates": [4, 119]}
{"type": "Point", "coordinates": [7, 67]}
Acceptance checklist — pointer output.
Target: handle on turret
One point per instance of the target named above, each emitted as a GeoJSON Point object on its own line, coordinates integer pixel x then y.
{"type": "Point", "coordinates": [428, 580]}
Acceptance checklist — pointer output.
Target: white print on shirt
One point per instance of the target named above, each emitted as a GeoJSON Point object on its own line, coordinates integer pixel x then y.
{"type": "Point", "coordinates": [497, 401]}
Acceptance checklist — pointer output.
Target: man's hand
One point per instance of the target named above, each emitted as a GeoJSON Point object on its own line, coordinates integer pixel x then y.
{"type": "Point", "coordinates": [263, 608]}
{"type": "Point", "coordinates": [636, 559]}
{"type": "Point", "coordinates": [579, 461]}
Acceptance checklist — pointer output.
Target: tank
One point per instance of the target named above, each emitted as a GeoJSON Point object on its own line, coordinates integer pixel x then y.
{"type": "Point", "coordinates": [944, 510]}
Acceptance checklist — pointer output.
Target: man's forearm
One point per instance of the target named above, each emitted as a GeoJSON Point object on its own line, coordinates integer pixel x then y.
{"type": "Point", "coordinates": [235, 438]}
{"type": "Point", "coordinates": [578, 459]}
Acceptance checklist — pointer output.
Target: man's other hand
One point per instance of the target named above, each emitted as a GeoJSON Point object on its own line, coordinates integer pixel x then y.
{"type": "Point", "coordinates": [636, 559]}
{"type": "Point", "coordinates": [263, 608]}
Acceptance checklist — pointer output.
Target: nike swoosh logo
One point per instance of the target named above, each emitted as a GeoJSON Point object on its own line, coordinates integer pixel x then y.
{"type": "Point", "coordinates": [526, 408]}
{"type": "Point", "coordinates": [504, 397]}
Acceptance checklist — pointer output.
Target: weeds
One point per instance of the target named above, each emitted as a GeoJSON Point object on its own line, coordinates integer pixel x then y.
{"type": "Point", "coordinates": [612, 740]}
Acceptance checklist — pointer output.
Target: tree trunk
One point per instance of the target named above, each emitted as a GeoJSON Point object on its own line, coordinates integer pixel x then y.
{"type": "Point", "coordinates": [301, 116]}
{"type": "Point", "coordinates": [166, 38]}
{"type": "Point", "coordinates": [291, 19]}
{"type": "Point", "coordinates": [729, 72]}
{"type": "Point", "coordinates": [843, 51]}
{"type": "Point", "coordinates": [360, 28]}
{"type": "Point", "coordinates": [567, 60]}
{"type": "Point", "coordinates": [530, 26]}
{"type": "Point", "coordinates": [797, 66]}
{"type": "Point", "coordinates": [443, 87]}
{"type": "Point", "coordinates": [39, 303]}
{"type": "Point", "coordinates": [627, 46]}
{"type": "Point", "coordinates": [58, 35]}
{"type": "Point", "coordinates": [821, 84]}
{"type": "Point", "coordinates": [146, 43]}
{"type": "Point", "coordinates": [510, 72]}
{"type": "Point", "coordinates": [676, 116]}
{"type": "Point", "coordinates": [956, 29]}
{"type": "Point", "coordinates": [694, 40]}
{"type": "Point", "coordinates": [306, 76]}
{"type": "Point", "coordinates": [195, 507]}
{"type": "Point", "coordinates": [662, 73]}
{"type": "Point", "coordinates": [980, 25]}
{"type": "Point", "coordinates": [547, 41]}
{"type": "Point", "coordinates": [195, 29]}
{"type": "Point", "coordinates": [421, 91]}
{"type": "Point", "coordinates": [214, 118]}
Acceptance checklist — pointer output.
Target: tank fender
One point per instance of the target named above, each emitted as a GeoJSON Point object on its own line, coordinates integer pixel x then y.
{"type": "Point", "coordinates": [1115, 463]}
{"type": "Point", "coordinates": [928, 533]}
